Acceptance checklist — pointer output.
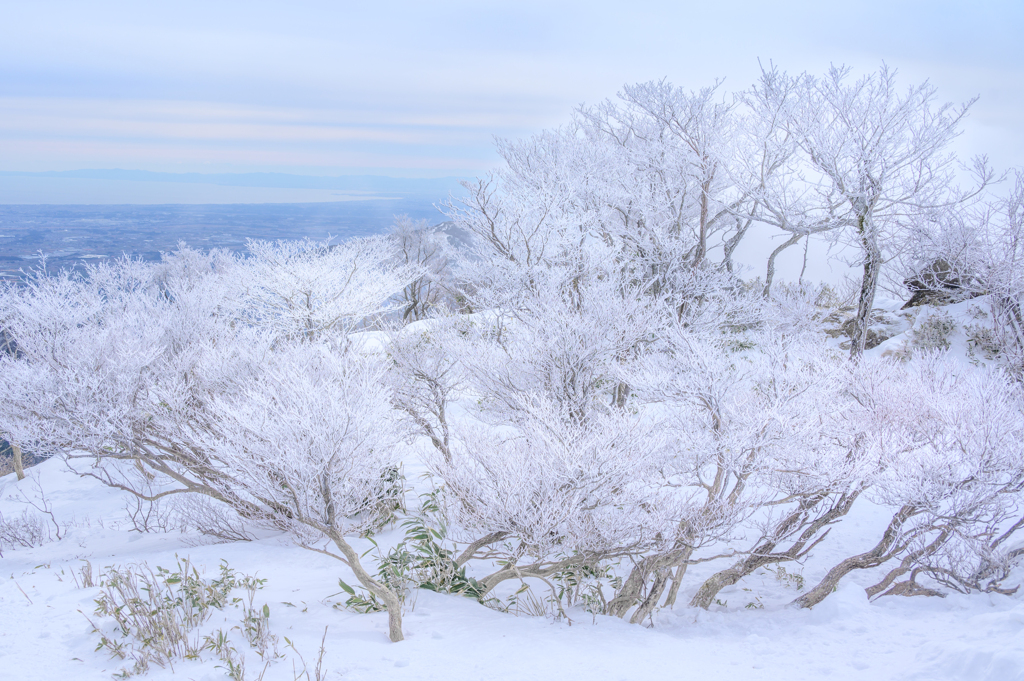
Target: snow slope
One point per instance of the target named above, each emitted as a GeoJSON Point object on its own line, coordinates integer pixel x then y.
{"type": "Point", "coordinates": [749, 634]}
{"type": "Point", "coordinates": [45, 635]}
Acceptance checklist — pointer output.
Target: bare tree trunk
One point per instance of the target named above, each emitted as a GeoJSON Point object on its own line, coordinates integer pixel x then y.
{"type": "Point", "coordinates": [730, 245]}
{"type": "Point", "coordinates": [803, 267]}
{"type": "Point", "coordinates": [866, 299]}
{"type": "Point", "coordinates": [705, 595]}
{"type": "Point", "coordinates": [633, 587]}
{"type": "Point", "coordinates": [19, 469]}
{"type": "Point", "coordinates": [762, 554]}
{"type": "Point", "coordinates": [631, 590]}
{"type": "Point", "coordinates": [661, 578]}
{"type": "Point", "coordinates": [677, 579]}
{"type": "Point", "coordinates": [466, 555]}
{"type": "Point", "coordinates": [882, 552]}
{"type": "Point", "coordinates": [906, 565]}
{"type": "Point", "coordinates": [702, 236]}
{"type": "Point", "coordinates": [910, 587]}
{"type": "Point", "coordinates": [391, 602]}
{"type": "Point", "coordinates": [769, 276]}
{"type": "Point", "coordinates": [621, 394]}
{"type": "Point", "coordinates": [536, 570]}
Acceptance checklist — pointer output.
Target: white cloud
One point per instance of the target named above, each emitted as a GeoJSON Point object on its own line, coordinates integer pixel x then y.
{"type": "Point", "coordinates": [264, 82]}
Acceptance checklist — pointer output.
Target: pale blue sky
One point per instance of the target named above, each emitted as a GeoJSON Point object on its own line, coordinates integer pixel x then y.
{"type": "Point", "coordinates": [421, 88]}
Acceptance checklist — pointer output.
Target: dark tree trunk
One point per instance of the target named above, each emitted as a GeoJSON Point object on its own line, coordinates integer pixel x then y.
{"type": "Point", "coordinates": [19, 467]}
{"type": "Point", "coordinates": [883, 551]}
{"type": "Point", "coordinates": [769, 276]}
{"type": "Point", "coordinates": [866, 299]}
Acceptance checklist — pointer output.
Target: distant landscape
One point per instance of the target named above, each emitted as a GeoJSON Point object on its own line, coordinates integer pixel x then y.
{"type": "Point", "coordinates": [72, 218]}
{"type": "Point", "coordinates": [141, 186]}
{"type": "Point", "coordinates": [71, 236]}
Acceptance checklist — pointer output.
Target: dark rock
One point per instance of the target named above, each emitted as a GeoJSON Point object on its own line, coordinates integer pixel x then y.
{"type": "Point", "coordinates": [882, 325]}
{"type": "Point", "coordinates": [872, 339]}
{"type": "Point", "coordinates": [7, 344]}
{"type": "Point", "coordinates": [27, 458]}
{"type": "Point", "coordinates": [938, 284]}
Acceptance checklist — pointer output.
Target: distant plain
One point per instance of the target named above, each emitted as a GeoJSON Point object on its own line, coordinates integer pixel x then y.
{"type": "Point", "coordinates": [69, 222]}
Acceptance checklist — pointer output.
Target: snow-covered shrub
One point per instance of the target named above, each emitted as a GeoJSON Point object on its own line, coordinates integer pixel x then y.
{"type": "Point", "coordinates": [37, 524]}
{"type": "Point", "coordinates": [553, 467]}
{"type": "Point", "coordinates": [550, 493]}
{"type": "Point", "coordinates": [27, 531]}
{"type": "Point", "coordinates": [804, 310]}
{"type": "Point", "coordinates": [312, 289]}
{"type": "Point", "coordinates": [983, 338]}
{"type": "Point", "coordinates": [981, 247]}
{"type": "Point", "coordinates": [149, 511]}
{"type": "Point", "coordinates": [758, 439]}
{"type": "Point", "coordinates": [948, 447]}
{"type": "Point", "coordinates": [434, 290]}
{"type": "Point", "coordinates": [1003, 279]}
{"type": "Point", "coordinates": [973, 561]}
{"type": "Point", "coordinates": [149, 516]}
{"type": "Point", "coordinates": [933, 332]}
{"type": "Point", "coordinates": [231, 379]}
{"type": "Point", "coordinates": [217, 521]}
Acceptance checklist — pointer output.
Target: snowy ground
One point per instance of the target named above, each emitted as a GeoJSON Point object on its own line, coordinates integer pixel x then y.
{"type": "Point", "coordinates": [44, 633]}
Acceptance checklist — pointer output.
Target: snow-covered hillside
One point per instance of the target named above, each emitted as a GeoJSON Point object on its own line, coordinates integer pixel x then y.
{"type": "Point", "coordinates": [46, 631]}
{"type": "Point", "coordinates": [750, 632]}
{"type": "Point", "coordinates": [581, 445]}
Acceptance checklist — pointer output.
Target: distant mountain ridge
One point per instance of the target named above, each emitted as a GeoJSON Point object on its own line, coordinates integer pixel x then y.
{"type": "Point", "coordinates": [373, 184]}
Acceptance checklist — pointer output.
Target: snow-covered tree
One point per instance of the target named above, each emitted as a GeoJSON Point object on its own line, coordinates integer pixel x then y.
{"type": "Point", "coordinates": [977, 251]}
{"type": "Point", "coordinates": [421, 245]}
{"type": "Point", "coordinates": [872, 164]}
{"type": "Point", "coordinates": [946, 445]}
{"type": "Point", "coordinates": [231, 379]}
{"type": "Point", "coordinates": [670, 190]}
{"type": "Point", "coordinates": [646, 185]}
{"type": "Point", "coordinates": [549, 494]}
{"type": "Point", "coordinates": [549, 469]}
{"type": "Point", "coordinates": [315, 288]}
{"type": "Point", "coordinates": [758, 440]}
{"type": "Point", "coordinates": [305, 440]}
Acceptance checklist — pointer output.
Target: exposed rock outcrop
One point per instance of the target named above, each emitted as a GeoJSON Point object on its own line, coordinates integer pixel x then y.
{"type": "Point", "coordinates": [939, 283]}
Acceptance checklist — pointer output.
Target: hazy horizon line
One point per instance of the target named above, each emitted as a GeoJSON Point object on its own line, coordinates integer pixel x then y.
{"type": "Point", "coordinates": [121, 187]}
{"type": "Point", "coordinates": [215, 177]}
